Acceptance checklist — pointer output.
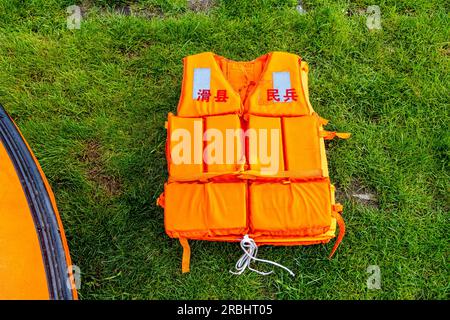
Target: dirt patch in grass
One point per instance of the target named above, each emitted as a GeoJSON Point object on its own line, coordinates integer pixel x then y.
{"type": "Point", "coordinates": [147, 13]}
{"type": "Point", "coordinates": [92, 156]}
{"type": "Point", "coordinates": [200, 5]}
{"type": "Point", "coordinates": [358, 11]}
{"type": "Point", "coordinates": [445, 50]}
{"type": "Point", "coordinates": [359, 193]}
{"type": "Point", "coordinates": [132, 9]}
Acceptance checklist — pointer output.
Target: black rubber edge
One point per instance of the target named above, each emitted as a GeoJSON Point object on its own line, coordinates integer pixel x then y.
{"type": "Point", "coordinates": [44, 215]}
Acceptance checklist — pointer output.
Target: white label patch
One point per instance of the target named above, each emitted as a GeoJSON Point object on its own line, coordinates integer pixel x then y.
{"type": "Point", "coordinates": [282, 82]}
{"type": "Point", "coordinates": [202, 81]}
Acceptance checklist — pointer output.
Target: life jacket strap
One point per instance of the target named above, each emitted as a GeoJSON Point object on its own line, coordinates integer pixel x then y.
{"type": "Point", "coordinates": [161, 201]}
{"type": "Point", "coordinates": [186, 259]}
{"type": "Point", "coordinates": [323, 121]}
{"type": "Point", "coordinates": [336, 213]}
{"type": "Point", "coordinates": [329, 135]}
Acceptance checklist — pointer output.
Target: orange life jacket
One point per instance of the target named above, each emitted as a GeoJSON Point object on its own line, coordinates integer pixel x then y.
{"type": "Point", "coordinates": [249, 104]}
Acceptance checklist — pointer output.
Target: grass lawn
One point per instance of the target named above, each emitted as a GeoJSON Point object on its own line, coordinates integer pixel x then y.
{"type": "Point", "coordinates": [92, 104]}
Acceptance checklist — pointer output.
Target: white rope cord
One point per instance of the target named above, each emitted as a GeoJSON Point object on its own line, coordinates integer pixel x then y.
{"type": "Point", "coordinates": [250, 249]}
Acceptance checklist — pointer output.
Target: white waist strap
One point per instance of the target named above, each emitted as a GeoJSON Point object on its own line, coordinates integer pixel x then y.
{"type": "Point", "coordinates": [250, 249]}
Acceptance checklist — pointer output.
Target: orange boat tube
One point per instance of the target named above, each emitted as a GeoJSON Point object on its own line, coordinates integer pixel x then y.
{"type": "Point", "coordinates": [34, 256]}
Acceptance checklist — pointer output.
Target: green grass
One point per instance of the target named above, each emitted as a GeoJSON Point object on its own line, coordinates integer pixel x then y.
{"type": "Point", "coordinates": [92, 104]}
